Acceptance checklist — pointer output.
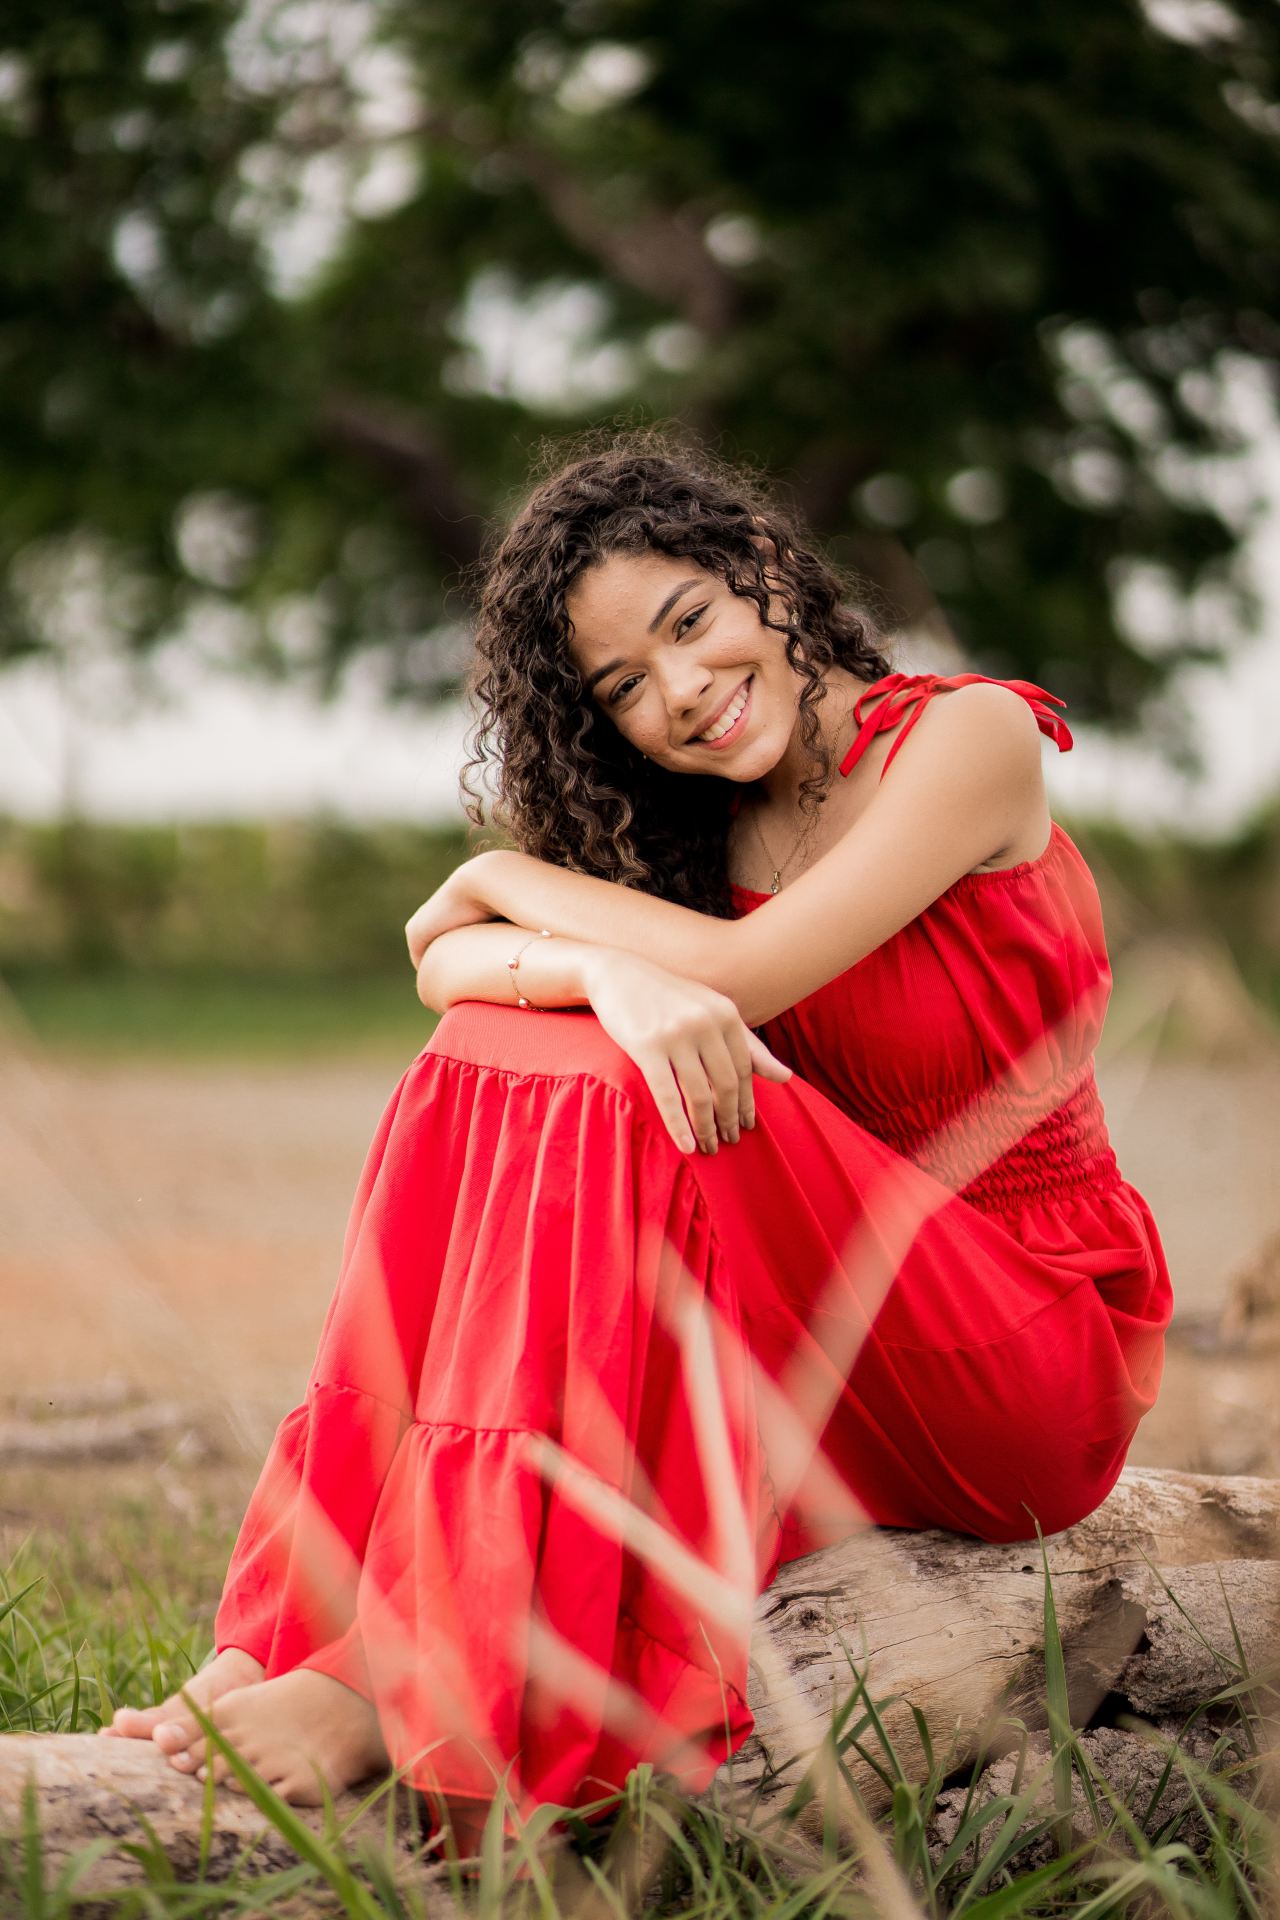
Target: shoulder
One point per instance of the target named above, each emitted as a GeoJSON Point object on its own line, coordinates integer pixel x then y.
{"type": "Point", "coordinates": [984, 718]}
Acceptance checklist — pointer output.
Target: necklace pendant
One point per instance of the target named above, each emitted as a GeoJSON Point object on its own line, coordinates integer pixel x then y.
{"type": "Point", "coordinates": [775, 885]}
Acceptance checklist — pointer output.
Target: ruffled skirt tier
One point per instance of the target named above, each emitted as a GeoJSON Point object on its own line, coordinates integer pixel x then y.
{"type": "Point", "coordinates": [577, 1395]}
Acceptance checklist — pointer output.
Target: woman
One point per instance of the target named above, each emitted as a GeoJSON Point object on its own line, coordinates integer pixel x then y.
{"type": "Point", "coordinates": [633, 1306]}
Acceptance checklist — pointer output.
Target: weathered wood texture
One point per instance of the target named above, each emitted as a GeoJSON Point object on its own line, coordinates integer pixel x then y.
{"type": "Point", "coordinates": [943, 1623]}
{"type": "Point", "coordinates": [88, 1789]}
{"type": "Point", "coordinates": [956, 1627]}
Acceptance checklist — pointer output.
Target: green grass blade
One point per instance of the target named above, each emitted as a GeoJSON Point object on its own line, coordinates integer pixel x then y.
{"type": "Point", "coordinates": [306, 1844]}
{"type": "Point", "coordinates": [1061, 1733]}
{"type": "Point", "coordinates": [1023, 1895]}
{"type": "Point", "coordinates": [33, 1891]}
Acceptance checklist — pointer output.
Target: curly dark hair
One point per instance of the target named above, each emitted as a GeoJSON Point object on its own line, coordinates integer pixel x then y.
{"type": "Point", "coordinates": [570, 788]}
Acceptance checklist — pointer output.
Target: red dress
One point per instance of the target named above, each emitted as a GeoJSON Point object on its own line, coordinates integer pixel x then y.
{"type": "Point", "coordinates": [578, 1395]}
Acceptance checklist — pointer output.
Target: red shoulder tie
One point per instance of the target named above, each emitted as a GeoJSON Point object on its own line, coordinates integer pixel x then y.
{"type": "Point", "coordinates": [909, 693]}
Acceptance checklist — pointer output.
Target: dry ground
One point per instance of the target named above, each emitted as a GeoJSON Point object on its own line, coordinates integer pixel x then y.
{"type": "Point", "coordinates": [175, 1228]}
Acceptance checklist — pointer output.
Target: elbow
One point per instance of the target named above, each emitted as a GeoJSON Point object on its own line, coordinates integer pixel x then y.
{"type": "Point", "coordinates": [431, 992]}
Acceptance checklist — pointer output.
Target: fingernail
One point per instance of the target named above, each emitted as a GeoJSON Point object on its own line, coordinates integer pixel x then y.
{"type": "Point", "coordinates": [687, 1144]}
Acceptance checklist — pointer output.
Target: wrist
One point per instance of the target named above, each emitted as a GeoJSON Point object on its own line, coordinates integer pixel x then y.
{"type": "Point", "coordinates": [585, 960]}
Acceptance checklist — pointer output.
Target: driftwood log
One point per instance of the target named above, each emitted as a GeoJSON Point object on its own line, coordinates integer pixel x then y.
{"type": "Point", "coordinates": [1150, 1593]}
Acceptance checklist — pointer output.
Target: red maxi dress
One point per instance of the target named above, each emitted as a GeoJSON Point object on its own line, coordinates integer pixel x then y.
{"type": "Point", "coordinates": [578, 1395]}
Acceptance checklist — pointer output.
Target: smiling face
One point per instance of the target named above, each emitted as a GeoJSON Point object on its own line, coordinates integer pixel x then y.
{"type": "Point", "coordinates": [670, 655]}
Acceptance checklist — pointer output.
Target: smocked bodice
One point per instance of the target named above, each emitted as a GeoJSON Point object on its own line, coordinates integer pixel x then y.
{"type": "Point", "coordinates": [966, 1040]}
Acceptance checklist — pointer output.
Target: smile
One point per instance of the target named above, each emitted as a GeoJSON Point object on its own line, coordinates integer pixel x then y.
{"type": "Point", "coordinates": [729, 723]}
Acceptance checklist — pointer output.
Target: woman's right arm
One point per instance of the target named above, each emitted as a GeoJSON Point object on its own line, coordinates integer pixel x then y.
{"type": "Point", "coordinates": [690, 1042]}
{"type": "Point", "coordinates": [470, 963]}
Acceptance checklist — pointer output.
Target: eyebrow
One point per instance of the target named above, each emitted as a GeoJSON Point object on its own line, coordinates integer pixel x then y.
{"type": "Point", "coordinates": [677, 592]}
{"type": "Point", "coordinates": [674, 595]}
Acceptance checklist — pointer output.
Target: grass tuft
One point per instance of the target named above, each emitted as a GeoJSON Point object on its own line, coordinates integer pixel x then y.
{"type": "Point", "coordinates": [1041, 1831]}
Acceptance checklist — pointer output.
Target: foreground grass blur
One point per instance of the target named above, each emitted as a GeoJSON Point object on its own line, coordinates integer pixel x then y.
{"type": "Point", "coordinates": [275, 942]}
{"type": "Point", "coordinates": [117, 1606]}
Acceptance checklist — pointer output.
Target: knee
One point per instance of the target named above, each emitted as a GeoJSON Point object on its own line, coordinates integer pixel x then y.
{"type": "Point", "coordinates": [560, 1043]}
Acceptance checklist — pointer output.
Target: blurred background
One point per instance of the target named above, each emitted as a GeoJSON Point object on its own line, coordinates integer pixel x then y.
{"type": "Point", "coordinates": [292, 293]}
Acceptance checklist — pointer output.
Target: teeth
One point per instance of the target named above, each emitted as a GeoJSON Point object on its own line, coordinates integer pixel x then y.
{"type": "Point", "coordinates": [727, 719]}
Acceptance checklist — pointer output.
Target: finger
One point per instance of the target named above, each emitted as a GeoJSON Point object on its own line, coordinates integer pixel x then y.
{"type": "Point", "coordinates": [740, 1054]}
{"type": "Point", "coordinates": [722, 1074]}
{"type": "Point", "coordinates": [661, 1082]}
{"type": "Point", "coordinates": [696, 1092]}
{"type": "Point", "coordinates": [766, 1064]}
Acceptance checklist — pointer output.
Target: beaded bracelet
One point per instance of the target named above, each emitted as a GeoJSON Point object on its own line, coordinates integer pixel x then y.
{"type": "Point", "coordinates": [543, 933]}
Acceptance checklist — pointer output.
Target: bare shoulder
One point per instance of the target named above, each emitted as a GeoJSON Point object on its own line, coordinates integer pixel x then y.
{"type": "Point", "coordinates": [975, 755]}
{"type": "Point", "coordinates": [985, 718]}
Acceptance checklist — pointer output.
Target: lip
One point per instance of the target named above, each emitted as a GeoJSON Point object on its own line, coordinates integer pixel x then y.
{"type": "Point", "coordinates": [726, 739]}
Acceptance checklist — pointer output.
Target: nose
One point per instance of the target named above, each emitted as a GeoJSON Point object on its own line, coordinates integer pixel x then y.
{"type": "Point", "coordinates": [683, 683]}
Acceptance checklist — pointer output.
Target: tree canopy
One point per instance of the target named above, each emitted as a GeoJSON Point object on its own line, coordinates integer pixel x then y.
{"type": "Point", "coordinates": [292, 288]}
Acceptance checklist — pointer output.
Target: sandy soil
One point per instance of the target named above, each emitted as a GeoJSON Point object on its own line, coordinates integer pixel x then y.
{"type": "Point", "coordinates": [177, 1228]}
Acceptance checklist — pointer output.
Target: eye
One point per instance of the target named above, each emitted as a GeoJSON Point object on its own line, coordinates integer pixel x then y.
{"type": "Point", "coordinates": [692, 618]}
{"type": "Point", "coordinates": [621, 688]}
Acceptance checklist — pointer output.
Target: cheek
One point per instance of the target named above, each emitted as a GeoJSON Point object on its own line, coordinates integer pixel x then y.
{"type": "Point", "coordinates": [635, 724]}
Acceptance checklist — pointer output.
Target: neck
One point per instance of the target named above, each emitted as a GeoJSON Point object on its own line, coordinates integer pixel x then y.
{"type": "Point", "coordinates": [779, 789]}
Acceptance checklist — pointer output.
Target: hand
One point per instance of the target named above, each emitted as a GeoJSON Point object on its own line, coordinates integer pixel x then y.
{"type": "Point", "coordinates": [692, 1045]}
{"type": "Point", "coordinates": [453, 905]}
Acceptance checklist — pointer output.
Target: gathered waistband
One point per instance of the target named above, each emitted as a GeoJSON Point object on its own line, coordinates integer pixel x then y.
{"type": "Point", "coordinates": [1003, 1151]}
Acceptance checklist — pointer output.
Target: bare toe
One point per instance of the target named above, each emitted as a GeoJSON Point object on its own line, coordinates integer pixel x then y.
{"type": "Point", "coordinates": [176, 1732]}
{"type": "Point", "coordinates": [230, 1669]}
{"type": "Point", "coordinates": [136, 1723]}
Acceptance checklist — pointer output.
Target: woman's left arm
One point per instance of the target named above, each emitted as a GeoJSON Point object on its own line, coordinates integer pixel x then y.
{"type": "Point", "coordinates": [965, 784]}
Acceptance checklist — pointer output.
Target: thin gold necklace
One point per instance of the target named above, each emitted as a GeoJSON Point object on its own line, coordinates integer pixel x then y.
{"type": "Point", "coordinates": [775, 885]}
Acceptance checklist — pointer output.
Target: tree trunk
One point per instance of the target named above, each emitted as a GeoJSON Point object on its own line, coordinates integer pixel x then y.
{"type": "Point", "coordinates": [1150, 1592]}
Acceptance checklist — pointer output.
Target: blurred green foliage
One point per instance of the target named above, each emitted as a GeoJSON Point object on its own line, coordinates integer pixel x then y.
{"type": "Point", "coordinates": [965, 276]}
{"type": "Point", "coordinates": [247, 902]}
{"type": "Point", "coordinates": [291, 908]}
{"type": "Point", "coordinates": [1225, 893]}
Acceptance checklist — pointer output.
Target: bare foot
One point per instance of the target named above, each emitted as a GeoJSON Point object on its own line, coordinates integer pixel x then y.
{"type": "Point", "coordinates": [232, 1668]}
{"type": "Point", "coordinates": [296, 1730]}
